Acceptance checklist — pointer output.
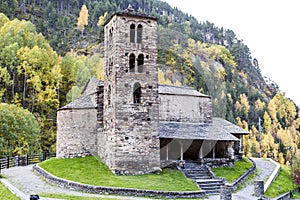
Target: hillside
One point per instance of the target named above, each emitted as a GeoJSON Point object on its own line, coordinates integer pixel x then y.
{"type": "Point", "coordinates": [198, 54]}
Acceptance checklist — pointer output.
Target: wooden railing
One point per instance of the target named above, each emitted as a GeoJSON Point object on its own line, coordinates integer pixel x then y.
{"type": "Point", "coordinates": [15, 161]}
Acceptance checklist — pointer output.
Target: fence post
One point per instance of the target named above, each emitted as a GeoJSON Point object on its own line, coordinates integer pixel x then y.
{"type": "Point", "coordinates": [7, 162]}
{"type": "Point", "coordinates": [27, 159]}
{"type": "Point", "coordinates": [17, 161]}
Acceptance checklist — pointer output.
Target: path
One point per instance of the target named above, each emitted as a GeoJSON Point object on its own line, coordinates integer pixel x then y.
{"type": "Point", "coordinates": [24, 179]}
{"type": "Point", "coordinates": [264, 170]}
{"type": "Point", "coordinates": [28, 182]}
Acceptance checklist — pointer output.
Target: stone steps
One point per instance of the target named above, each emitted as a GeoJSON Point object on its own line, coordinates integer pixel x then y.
{"type": "Point", "coordinates": [204, 179]}
{"type": "Point", "coordinates": [211, 186]}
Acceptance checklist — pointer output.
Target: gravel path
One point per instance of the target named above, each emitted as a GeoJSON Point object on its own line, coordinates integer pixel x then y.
{"type": "Point", "coordinates": [24, 179]}
{"type": "Point", "coordinates": [264, 170]}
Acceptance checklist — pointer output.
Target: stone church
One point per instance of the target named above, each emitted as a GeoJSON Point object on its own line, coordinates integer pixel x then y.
{"type": "Point", "coordinates": [132, 123]}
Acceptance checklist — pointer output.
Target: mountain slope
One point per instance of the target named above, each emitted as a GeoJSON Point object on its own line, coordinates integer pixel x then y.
{"type": "Point", "coordinates": [198, 54]}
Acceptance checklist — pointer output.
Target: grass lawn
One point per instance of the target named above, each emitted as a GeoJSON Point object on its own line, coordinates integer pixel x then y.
{"type": "Point", "coordinates": [232, 173]}
{"type": "Point", "coordinates": [282, 184]}
{"type": "Point", "coordinates": [91, 171]}
{"type": "Point", "coordinates": [6, 194]}
{"type": "Point", "coordinates": [71, 197]}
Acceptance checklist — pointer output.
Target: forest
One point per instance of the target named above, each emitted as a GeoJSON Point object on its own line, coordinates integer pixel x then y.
{"type": "Point", "coordinates": [50, 49]}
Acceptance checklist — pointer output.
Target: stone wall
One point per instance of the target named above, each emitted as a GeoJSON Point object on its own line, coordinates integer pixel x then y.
{"type": "Point", "coordinates": [273, 176]}
{"type": "Point", "coordinates": [114, 190]}
{"type": "Point", "coordinates": [183, 108]}
{"type": "Point", "coordinates": [130, 133]}
{"type": "Point", "coordinates": [285, 196]}
{"type": "Point", "coordinates": [76, 132]}
{"type": "Point", "coordinates": [242, 178]}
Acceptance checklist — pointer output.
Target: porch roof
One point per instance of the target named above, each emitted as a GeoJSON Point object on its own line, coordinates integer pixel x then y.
{"type": "Point", "coordinates": [219, 129]}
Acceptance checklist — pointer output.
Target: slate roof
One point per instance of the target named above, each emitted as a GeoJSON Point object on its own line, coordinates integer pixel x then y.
{"type": "Point", "coordinates": [83, 102]}
{"type": "Point", "coordinates": [91, 86]}
{"type": "Point", "coordinates": [179, 90]}
{"type": "Point", "coordinates": [230, 127]}
{"type": "Point", "coordinates": [87, 98]}
{"type": "Point", "coordinates": [130, 12]}
{"type": "Point", "coordinates": [219, 129]}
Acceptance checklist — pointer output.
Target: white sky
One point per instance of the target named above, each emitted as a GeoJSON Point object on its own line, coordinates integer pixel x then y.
{"type": "Point", "coordinates": [270, 28]}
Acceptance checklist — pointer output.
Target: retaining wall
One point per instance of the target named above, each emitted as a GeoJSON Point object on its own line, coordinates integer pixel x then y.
{"type": "Point", "coordinates": [273, 176]}
{"type": "Point", "coordinates": [285, 196]}
{"type": "Point", "coordinates": [114, 190]}
{"type": "Point", "coordinates": [242, 178]}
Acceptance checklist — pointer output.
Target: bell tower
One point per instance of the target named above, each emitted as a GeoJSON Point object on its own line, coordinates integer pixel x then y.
{"type": "Point", "coordinates": [130, 138]}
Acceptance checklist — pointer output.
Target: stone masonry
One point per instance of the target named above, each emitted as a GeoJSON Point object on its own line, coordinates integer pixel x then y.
{"type": "Point", "coordinates": [130, 137]}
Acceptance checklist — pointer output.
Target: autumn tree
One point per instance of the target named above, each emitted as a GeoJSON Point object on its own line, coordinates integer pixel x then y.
{"type": "Point", "coordinates": [19, 131]}
{"type": "Point", "coordinates": [102, 19]}
{"type": "Point", "coordinates": [77, 70]}
{"type": "Point", "coordinates": [30, 73]}
{"type": "Point", "coordinates": [82, 20]}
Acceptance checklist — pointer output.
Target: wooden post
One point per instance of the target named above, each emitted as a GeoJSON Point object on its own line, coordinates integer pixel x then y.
{"type": "Point", "coordinates": [181, 150]}
{"type": "Point", "coordinates": [201, 151]}
{"type": "Point", "coordinates": [7, 162]}
{"type": "Point", "coordinates": [167, 152]}
{"type": "Point", "coordinates": [214, 152]}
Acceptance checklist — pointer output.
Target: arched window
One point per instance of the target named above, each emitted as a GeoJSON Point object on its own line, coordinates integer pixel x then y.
{"type": "Point", "coordinates": [132, 63]}
{"type": "Point", "coordinates": [132, 33]}
{"type": "Point", "coordinates": [139, 33]}
{"type": "Point", "coordinates": [137, 93]}
{"type": "Point", "coordinates": [140, 62]}
{"type": "Point", "coordinates": [108, 95]}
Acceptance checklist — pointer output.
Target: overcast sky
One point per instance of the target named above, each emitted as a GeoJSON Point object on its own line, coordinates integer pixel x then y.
{"type": "Point", "coordinates": [270, 28]}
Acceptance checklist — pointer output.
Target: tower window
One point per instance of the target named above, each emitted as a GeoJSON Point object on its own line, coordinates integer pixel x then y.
{"type": "Point", "coordinates": [132, 33]}
{"type": "Point", "coordinates": [111, 32]}
{"type": "Point", "coordinates": [132, 63]}
{"type": "Point", "coordinates": [139, 33]}
{"type": "Point", "coordinates": [108, 95]}
{"type": "Point", "coordinates": [140, 62]}
{"type": "Point", "coordinates": [137, 93]}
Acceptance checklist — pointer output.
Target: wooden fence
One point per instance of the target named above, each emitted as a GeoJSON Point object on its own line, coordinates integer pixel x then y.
{"type": "Point", "coordinates": [15, 161]}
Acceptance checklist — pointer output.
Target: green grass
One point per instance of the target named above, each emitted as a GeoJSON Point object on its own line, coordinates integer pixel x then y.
{"type": "Point", "coordinates": [6, 194]}
{"type": "Point", "coordinates": [282, 184]}
{"type": "Point", "coordinates": [296, 195]}
{"type": "Point", "coordinates": [72, 197]}
{"type": "Point", "coordinates": [232, 173]}
{"type": "Point", "coordinates": [89, 170]}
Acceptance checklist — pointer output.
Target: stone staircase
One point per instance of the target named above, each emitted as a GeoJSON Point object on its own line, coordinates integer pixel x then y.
{"type": "Point", "coordinates": [201, 175]}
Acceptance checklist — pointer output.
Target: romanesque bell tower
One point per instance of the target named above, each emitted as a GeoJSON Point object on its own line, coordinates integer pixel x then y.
{"type": "Point", "coordinates": [129, 143]}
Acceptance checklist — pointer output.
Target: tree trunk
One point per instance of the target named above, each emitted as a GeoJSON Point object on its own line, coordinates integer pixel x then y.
{"type": "Point", "coordinates": [24, 90]}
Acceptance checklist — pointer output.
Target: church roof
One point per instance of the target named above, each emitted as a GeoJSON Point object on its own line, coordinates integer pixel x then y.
{"type": "Point", "coordinates": [83, 102]}
{"type": "Point", "coordinates": [130, 12]}
{"type": "Point", "coordinates": [179, 90]}
{"type": "Point", "coordinates": [219, 129]}
{"type": "Point", "coordinates": [91, 86]}
{"type": "Point", "coordinates": [87, 99]}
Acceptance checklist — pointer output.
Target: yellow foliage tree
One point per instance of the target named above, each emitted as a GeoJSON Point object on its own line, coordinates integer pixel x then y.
{"type": "Point", "coordinates": [162, 79]}
{"type": "Point", "coordinates": [82, 20]}
{"type": "Point", "coordinates": [102, 19]}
